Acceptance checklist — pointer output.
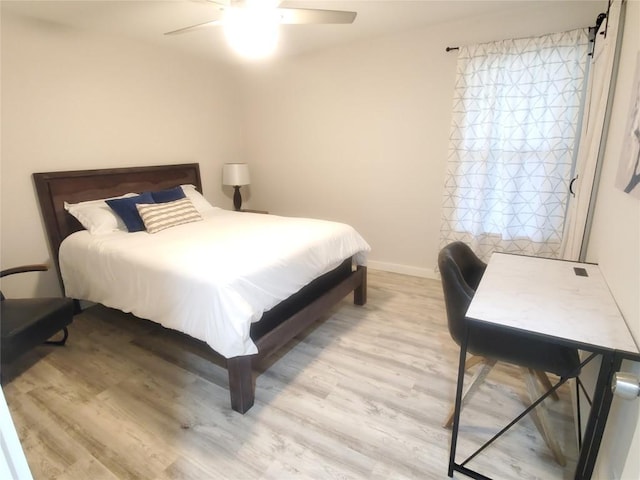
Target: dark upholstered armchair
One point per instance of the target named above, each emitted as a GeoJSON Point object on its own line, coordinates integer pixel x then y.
{"type": "Point", "coordinates": [28, 322]}
{"type": "Point", "coordinates": [461, 271]}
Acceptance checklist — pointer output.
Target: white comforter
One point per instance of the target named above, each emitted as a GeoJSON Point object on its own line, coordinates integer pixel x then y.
{"type": "Point", "coordinates": [208, 279]}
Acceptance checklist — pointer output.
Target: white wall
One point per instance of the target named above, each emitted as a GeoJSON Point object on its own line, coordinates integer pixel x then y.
{"type": "Point", "coordinates": [615, 244]}
{"type": "Point", "coordinates": [360, 133]}
{"type": "Point", "coordinates": [356, 133]}
{"type": "Point", "coordinates": [76, 100]}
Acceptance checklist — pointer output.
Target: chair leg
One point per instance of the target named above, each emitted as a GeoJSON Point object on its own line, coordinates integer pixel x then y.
{"type": "Point", "coordinates": [62, 341]}
{"type": "Point", "coordinates": [541, 418]}
{"type": "Point", "coordinates": [471, 388]}
{"type": "Point", "coordinates": [546, 383]}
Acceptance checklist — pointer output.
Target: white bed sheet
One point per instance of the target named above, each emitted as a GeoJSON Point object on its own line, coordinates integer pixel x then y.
{"type": "Point", "coordinates": [208, 279]}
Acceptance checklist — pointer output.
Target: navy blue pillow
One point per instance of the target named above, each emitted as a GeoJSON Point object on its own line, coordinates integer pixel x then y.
{"type": "Point", "coordinates": [127, 211]}
{"type": "Point", "coordinates": [168, 195]}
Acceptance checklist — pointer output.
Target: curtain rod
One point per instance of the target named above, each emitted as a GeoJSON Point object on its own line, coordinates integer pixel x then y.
{"type": "Point", "coordinates": [599, 21]}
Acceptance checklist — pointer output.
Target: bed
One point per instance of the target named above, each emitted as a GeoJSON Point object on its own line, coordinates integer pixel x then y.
{"type": "Point", "coordinates": [248, 312]}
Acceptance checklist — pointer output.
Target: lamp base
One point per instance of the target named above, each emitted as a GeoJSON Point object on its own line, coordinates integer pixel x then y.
{"type": "Point", "coordinates": [237, 198]}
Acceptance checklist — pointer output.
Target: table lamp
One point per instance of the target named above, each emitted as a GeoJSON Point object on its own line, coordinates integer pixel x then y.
{"type": "Point", "coordinates": [236, 175]}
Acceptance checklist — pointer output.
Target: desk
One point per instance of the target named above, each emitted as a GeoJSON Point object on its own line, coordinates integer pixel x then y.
{"type": "Point", "coordinates": [548, 300]}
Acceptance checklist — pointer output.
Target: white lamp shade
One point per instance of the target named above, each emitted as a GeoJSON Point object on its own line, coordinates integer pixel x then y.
{"type": "Point", "coordinates": [235, 174]}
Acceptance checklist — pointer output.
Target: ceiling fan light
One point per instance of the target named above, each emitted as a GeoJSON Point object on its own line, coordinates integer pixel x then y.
{"type": "Point", "coordinates": [252, 31]}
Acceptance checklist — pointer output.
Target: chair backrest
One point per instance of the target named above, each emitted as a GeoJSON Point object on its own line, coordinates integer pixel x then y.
{"type": "Point", "coordinates": [460, 271]}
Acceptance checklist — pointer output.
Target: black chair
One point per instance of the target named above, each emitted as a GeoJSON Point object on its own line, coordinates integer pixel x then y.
{"type": "Point", "coordinates": [461, 271]}
{"type": "Point", "coordinates": [28, 322]}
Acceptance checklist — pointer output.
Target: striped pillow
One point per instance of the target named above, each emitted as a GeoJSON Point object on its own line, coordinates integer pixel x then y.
{"type": "Point", "coordinates": [158, 216]}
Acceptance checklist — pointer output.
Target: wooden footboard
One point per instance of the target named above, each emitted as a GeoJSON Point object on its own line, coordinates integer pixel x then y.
{"type": "Point", "coordinates": [320, 296]}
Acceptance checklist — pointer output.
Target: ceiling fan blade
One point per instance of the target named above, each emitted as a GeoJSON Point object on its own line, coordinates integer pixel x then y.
{"type": "Point", "coordinates": [300, 16]}
{"type": "Point", "coordinates": [288, 16]}
{"type": "Point", "coordinates": [195, 27]}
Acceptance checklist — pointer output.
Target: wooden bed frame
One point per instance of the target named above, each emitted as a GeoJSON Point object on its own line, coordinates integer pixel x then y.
{"type": "Point", "coordinates": [276, 327]}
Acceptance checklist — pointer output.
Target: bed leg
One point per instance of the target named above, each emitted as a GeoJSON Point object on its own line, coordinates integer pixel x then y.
{"type": "Point", "coordinates": [360, 293]}
{"type": "Point", "coordinates": [241, 386]}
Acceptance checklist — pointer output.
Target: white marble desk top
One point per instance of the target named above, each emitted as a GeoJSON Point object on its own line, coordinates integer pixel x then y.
{"type": "Point", "coordinates": [547, 297]}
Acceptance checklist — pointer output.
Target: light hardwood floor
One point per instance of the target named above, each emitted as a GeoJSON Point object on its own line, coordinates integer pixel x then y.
{"type": "Point", "coordinates": [360, 395]}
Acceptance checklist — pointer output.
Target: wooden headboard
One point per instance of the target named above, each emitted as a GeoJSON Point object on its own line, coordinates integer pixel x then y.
{"type": "Point", "coordinates": [55, 188]}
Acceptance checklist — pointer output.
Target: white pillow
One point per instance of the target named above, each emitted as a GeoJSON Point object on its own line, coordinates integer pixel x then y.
{"type": "Point", "coordinates": [158, 216]}
{"type": "Point", "coordinates": [96, 216]}
{"type": "Point", "coordinates": [201, 203]}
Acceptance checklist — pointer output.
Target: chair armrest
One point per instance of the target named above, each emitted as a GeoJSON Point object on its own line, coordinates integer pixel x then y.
{"type": "Point", "coordinates": [23, 269]}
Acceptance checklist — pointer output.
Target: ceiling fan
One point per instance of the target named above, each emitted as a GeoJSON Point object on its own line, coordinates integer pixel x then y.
{"type": "Point", "coordinates": [230, 10]}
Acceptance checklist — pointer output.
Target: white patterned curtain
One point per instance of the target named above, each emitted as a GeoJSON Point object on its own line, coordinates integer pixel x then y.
{"type": "Point", "coordinates": [516, 111]}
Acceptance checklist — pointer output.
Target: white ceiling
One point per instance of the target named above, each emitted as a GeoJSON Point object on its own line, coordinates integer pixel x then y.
{"type": "Point", "coordinates": [147, 20]}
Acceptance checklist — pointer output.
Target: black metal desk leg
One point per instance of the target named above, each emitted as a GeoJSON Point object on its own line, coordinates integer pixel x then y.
{"type": "Point", "coordinates": [458, 407]}
{"type": "Point", "coordinates": [602, 398]}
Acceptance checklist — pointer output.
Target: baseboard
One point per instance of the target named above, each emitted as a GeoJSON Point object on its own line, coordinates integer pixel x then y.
{"type": "Point", "coordinates": [403, 269]}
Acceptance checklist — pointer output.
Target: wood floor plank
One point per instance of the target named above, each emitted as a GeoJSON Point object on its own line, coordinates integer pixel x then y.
{"type": "Point", "coordinates": [361, 394]}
